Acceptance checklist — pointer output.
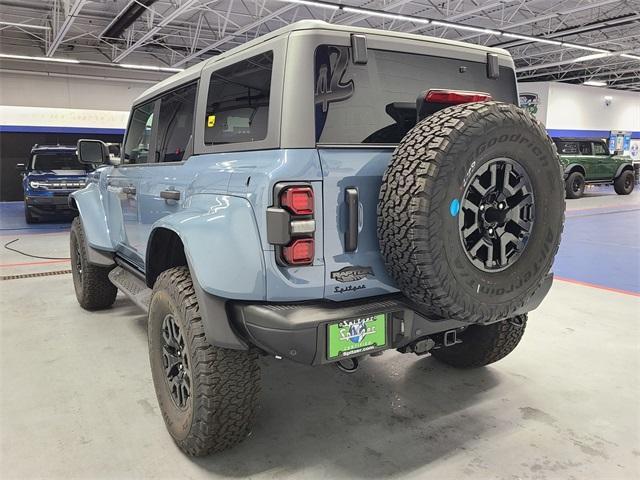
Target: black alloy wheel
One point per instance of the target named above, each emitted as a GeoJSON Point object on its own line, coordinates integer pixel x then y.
{"type": "Point", "coordinates": [497, 214]}
{"type": "Point", "coordinates": [176, 362]}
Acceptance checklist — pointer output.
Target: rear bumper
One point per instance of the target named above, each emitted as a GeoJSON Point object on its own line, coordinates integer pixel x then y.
{"type": "Point", "coordinates": [299, 331]}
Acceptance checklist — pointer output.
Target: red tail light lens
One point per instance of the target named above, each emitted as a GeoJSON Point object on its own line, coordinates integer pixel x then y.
{"type": "Point", "coordinates": [453, 97]}
{"type": "Point", "coordinates": [299, 200]}
{"type": "Point", "coordinates": [300, 252]}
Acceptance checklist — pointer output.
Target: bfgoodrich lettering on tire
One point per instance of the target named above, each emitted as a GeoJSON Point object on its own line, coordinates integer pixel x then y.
{"type": "Point", "coordinates": [471, 211]}
{"type": "Point", "coordinates": [207, 395]}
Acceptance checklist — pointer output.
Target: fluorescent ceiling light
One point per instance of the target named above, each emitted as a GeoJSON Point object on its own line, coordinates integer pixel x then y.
{"type": "Point", "coordinates": [26, 25]}
{"type": "Point", "coordinates": [149, 67]}
{"type": "Point", "coordinates": [632, 57]}
{"type": "Point", "coordinates": [311, 3]}
{"type": "Point", "coordinates": [465, 27]}
{"type": "Point", "coordinates": [42, 59]}
{"type": "Point", "coordinates": [531, 39]}
{"type": "Point", "coordinates": [595, 56]}
{"type": "Point", "coordinates": [584, 47]}
{"type": "Point", "coordinates": [392, 16]}
{"type": "Point", "coordinates": [595, 83]}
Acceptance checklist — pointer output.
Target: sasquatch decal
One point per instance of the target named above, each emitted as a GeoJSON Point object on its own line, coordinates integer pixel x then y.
{"type": "Point", "coordinates": [329, 81]}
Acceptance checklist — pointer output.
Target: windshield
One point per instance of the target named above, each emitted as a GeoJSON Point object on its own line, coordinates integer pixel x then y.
{"type": "Point", "coordinates": [56, 161]}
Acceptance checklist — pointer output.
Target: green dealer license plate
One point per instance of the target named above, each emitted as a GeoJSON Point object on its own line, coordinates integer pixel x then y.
{"type": "Point", "coordinates": [356, 336]}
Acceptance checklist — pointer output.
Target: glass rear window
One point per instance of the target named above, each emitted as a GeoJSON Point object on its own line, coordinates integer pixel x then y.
{"type": "Point", "coordinates": [238, 102]}
{"type": "Point", "coordinates": [56, 161]}
{"type": "Point", "coordinates": [376, 102]}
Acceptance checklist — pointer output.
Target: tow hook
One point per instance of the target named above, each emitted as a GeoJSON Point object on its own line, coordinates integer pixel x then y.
{"type": "Point", "coordinates": [348, 365]}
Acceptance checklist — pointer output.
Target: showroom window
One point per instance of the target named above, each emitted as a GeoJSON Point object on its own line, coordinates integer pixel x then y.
{"type": "Point", "coordinates": [238, 102]}
{"type": "Point", "coordinates": [136, 148]}
{"type": "Point", "coordinates": [376, 102]}
{"type": "Point", "coordinates": [175, 123]}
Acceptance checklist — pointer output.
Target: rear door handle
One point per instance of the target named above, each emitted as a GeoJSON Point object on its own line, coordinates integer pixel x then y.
{"type": "Point", "coordinates": [129, 190]}
{"type": "Point", "coordinates": [351, 233]}
{"type": "Point", "coordinates": [170, 194]}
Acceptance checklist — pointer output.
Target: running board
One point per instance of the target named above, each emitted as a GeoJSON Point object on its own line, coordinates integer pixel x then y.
{"type": "Point", "coordinates": [132, 286]}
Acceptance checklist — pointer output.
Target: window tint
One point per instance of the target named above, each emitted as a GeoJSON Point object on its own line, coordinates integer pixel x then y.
{"type": "Point", "coordinates": [175, 123]}
{"type": "Point", "coordinates": [567, 148]}
{"type": "Point", "coordinates": [136, 148]}
{"type": "Point", "coordinates": [585, 148]}
{"type": "Point", "coordinates": [238, 102]}
{"type": "Point", "coordinates": [376, 102]}
{"type": "Point", "coordinates": [599, 149]}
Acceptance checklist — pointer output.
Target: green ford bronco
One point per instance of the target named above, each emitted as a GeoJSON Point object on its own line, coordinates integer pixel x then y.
{"type": "Point", "coordinates": [588, 160]}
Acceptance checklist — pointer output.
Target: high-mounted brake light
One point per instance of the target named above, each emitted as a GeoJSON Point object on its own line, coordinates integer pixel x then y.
{"type": "Point", "coordinates": [299, 200]}
{"type": "Point", "coordinates": [300, 252]}
{"type": "Point", "coordinates": [455, 97]}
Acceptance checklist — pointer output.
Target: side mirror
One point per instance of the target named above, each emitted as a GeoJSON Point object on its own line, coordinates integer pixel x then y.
{"type": "Point", "coordinates": [92, 152]}
{"type": "Point", "coordinates": [21, 167]}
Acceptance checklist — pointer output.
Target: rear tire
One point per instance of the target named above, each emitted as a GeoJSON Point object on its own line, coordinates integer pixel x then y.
{"type": "Point", "coordinates": [208, 395]}
{"type": "Point", "coordinates": [483, 344]}
{"type": "Point", "coordinates": [574, 185]}
{"type": "Point", "coordinates": [623, 185]}
{"type": "Point", "coordinates": [94, 290]}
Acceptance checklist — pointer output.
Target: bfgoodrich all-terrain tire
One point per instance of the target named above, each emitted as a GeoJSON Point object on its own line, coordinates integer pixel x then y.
{"type": "Point", "coordinates": [471, 211]}
{"type": "Point", "coordinates": [483, 344]}
{"type": "Point", "coordinates": [574, 185]}
{"type": "Point", "coordinates": [623, 185]}
{"type": "Point", "coordinates": [94, 290]}
{"type": "Point", "coordinates": [207, 395]}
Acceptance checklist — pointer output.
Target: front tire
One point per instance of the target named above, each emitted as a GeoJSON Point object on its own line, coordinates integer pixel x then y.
{"type": "Point", "coordinates": [28, 216]}
{"type": "Point", "coordinates": [94, 290]}
{"type": "Point", "coordinates": [574, 185]}
{"type": "Point", "coordinates": [623, 185]}
{"type": "Point", "coordinates": [208, 395]}
{"type": "Point", "coordinates": [484, 344]}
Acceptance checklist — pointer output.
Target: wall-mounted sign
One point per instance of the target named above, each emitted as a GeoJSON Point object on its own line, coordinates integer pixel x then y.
{"type": "Point", "coordinates": [530, 102]}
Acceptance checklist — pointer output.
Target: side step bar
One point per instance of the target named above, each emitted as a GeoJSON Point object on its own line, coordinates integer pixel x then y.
{"type": "Point", "coordinates": [132, 286]}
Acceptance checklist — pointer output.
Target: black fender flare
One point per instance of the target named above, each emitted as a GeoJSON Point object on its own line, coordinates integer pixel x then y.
{"type": "Point", "coordinates": [574, 167]}
{"type": "Point", "coordinates": [622, 168]}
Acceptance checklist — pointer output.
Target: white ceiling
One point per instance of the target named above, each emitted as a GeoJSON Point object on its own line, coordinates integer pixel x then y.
{"type": "Point", "coordinates": [177, 33]}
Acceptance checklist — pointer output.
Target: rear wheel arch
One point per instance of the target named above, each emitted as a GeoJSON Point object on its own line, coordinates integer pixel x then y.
{"type": "Point", "coordinates": [165, 250]}
{"type": "Point", "coordinates": [575, 167]}
{"type": "Point", "coordinates": [623, 168]}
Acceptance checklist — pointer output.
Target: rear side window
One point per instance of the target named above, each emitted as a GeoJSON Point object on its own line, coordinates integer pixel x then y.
{"type": "Point", "coordinates": [136, 147]}
{"type": "Point", "coordinates": [376, 102]}
{"type": "Point", "coordinates": [567, 148]}
{"type": "Point", "coordinates": [238, 102]}
{"type": "Point", "coordinates": [175, 123]}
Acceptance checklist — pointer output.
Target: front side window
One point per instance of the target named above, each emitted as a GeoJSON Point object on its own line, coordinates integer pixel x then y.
{"type": "Point", "coordinates": [175, 123]}
{"type": "Point", "coordinates": [238, 102]}
{"type": "Point", "coordinates": [599, 149]}
{"type": "Point", "coordinates": [136, 147]}
{"type": "Point", "coordinates": [56, 161]}
{"type": "Point", "coordinates": [376, 102]}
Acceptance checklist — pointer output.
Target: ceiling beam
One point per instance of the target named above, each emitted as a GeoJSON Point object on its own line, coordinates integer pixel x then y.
{"type": "Point", "coordinates": [66, 25]}
{"type": "Point", "coordinates": [183, 8]}
{"type": "Point", "coordinates": [234, 34]}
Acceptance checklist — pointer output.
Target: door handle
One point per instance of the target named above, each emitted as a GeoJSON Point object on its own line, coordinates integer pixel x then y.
{"type": "Point", "coordinates": [351, 233]}
{"type": "Point", "coordinates": [129, 190]}
{"type": "Point", "coordinates": [170, 194]}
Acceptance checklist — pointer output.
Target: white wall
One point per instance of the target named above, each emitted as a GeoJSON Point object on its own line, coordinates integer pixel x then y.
{"type": "Point", "coordinates": [578, 107]}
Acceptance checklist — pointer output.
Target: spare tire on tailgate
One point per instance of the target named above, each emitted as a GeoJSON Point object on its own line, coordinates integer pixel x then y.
{"type": "Point", "coordinates": [471, 211]}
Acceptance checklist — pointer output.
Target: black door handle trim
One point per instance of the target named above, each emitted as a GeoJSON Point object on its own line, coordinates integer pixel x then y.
{"type": "Point", "coordinates": [170, 195]}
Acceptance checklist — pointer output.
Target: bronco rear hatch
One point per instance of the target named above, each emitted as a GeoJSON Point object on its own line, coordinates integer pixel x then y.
{"type": "Point", "coordinates": [361, 112]}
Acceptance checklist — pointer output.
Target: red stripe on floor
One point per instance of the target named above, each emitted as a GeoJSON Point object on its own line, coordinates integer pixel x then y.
{"type": "Point", "coordinates": [600, 287]}
{"type": "Point", "coordinates": [25, 264]}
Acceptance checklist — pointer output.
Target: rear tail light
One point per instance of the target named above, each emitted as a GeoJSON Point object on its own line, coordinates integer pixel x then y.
{"type": "Point", "coordinates": [299, 252]}
{"type": "Point", "coordinates": [455, 97]}
{"type": "Point", "coordinates": [291, 226]}
{"type": "Point", "coordinates": [298, 200]}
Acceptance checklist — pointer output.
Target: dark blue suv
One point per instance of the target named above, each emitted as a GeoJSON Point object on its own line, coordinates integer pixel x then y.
{"type": "Point", "coordinates": [53, 172]}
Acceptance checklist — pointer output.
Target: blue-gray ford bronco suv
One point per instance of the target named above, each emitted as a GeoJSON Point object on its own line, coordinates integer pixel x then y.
{"type": "Point", "coordinates": [320, 194]}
